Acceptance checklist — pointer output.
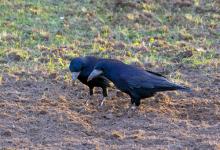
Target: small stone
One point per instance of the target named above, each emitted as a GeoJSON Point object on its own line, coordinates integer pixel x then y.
{"type": "Point", "coordinates": [6, 133]}
{"type": "Point", "coordinates": [43, 112]}
{"type": "Point", "coordinates": [108, 116]}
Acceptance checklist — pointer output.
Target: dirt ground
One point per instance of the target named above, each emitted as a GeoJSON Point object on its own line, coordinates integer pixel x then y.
{"type": "Point", "coordinates": [44, 112]}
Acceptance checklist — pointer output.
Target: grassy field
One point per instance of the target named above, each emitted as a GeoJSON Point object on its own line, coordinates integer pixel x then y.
{"type": "Point", "coordinates": [40, 108]}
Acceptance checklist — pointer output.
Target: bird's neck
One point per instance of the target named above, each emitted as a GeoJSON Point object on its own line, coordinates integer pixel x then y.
{"type": "Point", "coordinates": [112, 76]}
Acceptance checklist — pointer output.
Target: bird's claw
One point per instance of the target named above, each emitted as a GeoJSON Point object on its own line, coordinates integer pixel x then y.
{"type": "Point", "coordinates": [131, 110]}
{"type": "Point", "coordinates": [133, 107]}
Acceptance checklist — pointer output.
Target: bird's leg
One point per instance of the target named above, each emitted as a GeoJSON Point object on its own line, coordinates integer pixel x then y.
{"type": "Point", "coordinates": [105, 94]}
{"type": "Point", "coordinates": [90, 95]}
{"type": "Point", "coordinates": [132, 107]}
{"type": "Point", "coordinates": [134, 104]}
{"type": "Point", "coordinates": [137, 102]}
{"type": "Point", "coordinates": [131, 110]}
{"type": "Point", "coordinates": [102, 101]}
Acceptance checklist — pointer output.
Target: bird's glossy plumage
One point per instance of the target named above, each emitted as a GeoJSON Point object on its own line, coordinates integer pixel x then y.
{"type": "Point", "coordinates": [135, 81]}
{"type": "Point", "coordinates": [85, 65]}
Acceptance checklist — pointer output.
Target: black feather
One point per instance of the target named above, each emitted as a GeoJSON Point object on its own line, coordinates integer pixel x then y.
{"type": "Point", "coordinates": [85, 65]}
{"type": "Point", "coordinates": [136, 82]}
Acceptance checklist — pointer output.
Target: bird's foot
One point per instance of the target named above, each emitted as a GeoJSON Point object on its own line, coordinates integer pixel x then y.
{"type": "Point", "coordinates": [132, 110]}
{"type": "Point", "coordinates": [133, 107]}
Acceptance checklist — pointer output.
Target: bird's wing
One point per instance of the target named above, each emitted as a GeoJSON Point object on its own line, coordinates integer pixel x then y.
{"type": "Point", "coordinates": [101, 80]}
{"type": "Point", "coordinates": [106, 81]}
{"type": "Point", "coordinates": [144, 80]}
{"type": "Point", "coordinates": [155, 73]}
{"type": "Point", "coordinates": [138, 82]}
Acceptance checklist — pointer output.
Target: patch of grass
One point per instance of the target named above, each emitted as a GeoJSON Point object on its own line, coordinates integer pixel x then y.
{"type": "Point", "coordinates": [194, 18]}
{"type": "Point", "coordinates": [17, 55]}
{"type": "Point", "coordinates": [1, 80]}
{"type": "Point", "coordinates": [51, 65]}
{"type": "Point", "coordinates": [48, 33]}
{"type": "Point", "coordinates": [201, 59]}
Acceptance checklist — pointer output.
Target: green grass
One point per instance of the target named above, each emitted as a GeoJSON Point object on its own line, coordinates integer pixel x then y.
{"type": "Point", "coordinates": [58, 30]}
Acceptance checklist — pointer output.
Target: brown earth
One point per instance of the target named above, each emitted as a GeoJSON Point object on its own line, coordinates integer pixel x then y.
{"type": "Point", "coordinates": [41, 110]}
{"type": "Point", "coordinates": [49, 113]}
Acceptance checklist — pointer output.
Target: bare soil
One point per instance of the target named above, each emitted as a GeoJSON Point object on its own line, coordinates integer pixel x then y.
{"type": "Point", "coordinates": [49, 113]}
{"type": "Point", "coordinates": [42, 110]}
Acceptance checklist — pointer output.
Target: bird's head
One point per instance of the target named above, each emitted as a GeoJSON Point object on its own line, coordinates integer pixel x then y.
{"type": "Point", "coordinates": [99, 69]}
{"type": "Point", "coordinates": [76, 66]}
{"type": "Point", "coordinates": [105, 67]}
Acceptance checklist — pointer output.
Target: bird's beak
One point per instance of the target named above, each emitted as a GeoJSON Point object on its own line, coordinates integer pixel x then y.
{"type": "Point", "coordinates": [94, 74]}
{"type": "Point", "coordinates": [75, 75]}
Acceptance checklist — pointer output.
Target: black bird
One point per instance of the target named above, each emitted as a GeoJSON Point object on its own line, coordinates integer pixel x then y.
{"type": "Point", "coordinates": [81, 67]}
{"type": "Point", "coordinates": [135, 81]}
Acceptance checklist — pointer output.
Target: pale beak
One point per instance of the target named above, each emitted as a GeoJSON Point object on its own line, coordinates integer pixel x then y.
{"type": "Point", "coordinates": [75, 75]}
{"type": "Point", "coordinates": [94, 74]}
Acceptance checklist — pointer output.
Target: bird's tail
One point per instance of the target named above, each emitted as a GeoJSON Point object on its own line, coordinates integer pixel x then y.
{"type": "Point", "coordinates": [185, 89]}
{"type": "Point", "coordinates": [170, 86]}
{"type": "Point", "coordinates": [182, 88]}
